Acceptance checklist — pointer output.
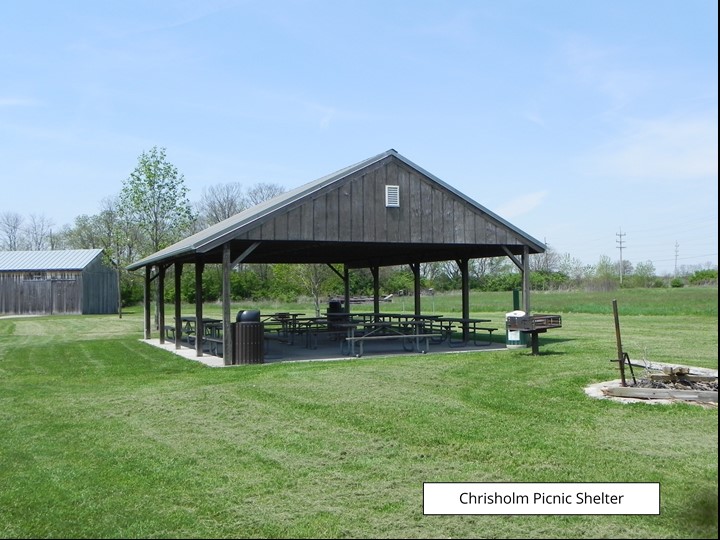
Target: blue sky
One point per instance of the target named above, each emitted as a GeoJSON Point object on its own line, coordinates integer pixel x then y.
{"type": "Point", "coordinates": [574, 120]}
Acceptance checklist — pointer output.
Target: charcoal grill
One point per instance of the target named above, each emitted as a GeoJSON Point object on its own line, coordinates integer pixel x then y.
{"type": "Point", "coordinates": [534, 325]}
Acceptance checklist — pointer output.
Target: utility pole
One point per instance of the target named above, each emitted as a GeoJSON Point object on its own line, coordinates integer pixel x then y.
{"type": "Point", "coordinates": [677, 251]}
{"type": "Point", "coordinates": [620, 247]}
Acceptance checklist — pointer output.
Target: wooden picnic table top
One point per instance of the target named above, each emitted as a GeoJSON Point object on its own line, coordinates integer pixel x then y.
{"type": "Point", "coordinates": [399, 316]}
{"type": "Point", "coordinates": [309, 321]}
{"type": "Point", "coordinates": [465, 320]}
{"type": "Point", "coordinates": [193, 318]}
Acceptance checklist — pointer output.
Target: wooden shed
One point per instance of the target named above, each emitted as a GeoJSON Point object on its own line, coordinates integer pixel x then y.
{"type": "Point", "coordinates": [382, 211]}
{"type": "Point", "coordinates": [75, 281]}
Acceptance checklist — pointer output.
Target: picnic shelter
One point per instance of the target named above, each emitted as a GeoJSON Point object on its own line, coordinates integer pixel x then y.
{"type": "Point", "coordinates": [382, 211]}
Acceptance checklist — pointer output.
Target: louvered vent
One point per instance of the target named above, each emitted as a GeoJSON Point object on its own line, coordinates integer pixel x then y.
{"type": "Point", "coordinates": [392, 196]}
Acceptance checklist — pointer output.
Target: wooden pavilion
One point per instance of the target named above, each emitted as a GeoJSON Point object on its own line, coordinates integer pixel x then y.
{"type": "Point", "coordinates": [383, 211]}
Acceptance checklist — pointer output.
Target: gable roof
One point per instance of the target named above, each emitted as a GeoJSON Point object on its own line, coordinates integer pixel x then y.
{"type": "Point", "coordinates": [341, 218]}
{"type": "Point", "coordinates": [54, 260]}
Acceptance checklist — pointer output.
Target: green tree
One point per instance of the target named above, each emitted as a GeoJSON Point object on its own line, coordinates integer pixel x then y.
{"type": "Point", "coordinates": [315, 280]}
{"type": "Point", "coordinates": [644, 275]}
{"type": "Point", "coordinates": [155, 198]}
{"type": "Point", "coordinates": [399, 280]}
{"type": "Point", "coordinates": [606, 275]}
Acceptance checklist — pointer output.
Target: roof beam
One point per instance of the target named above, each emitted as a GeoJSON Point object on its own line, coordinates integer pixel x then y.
{"type": "Point", "coordinates": [244, 255]}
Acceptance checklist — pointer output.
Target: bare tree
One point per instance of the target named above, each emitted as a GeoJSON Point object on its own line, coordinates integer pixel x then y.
{"type": "Point", "coordinates": [313, 277]}
{"type": "Point", "coordinates": [430, 271]}
{"type": "Point", "coordinates": [263, 191]}
{"type": "Point", "coordinates": [11, 229]}
{"type": "Point", "coordinates": [451, 270]}
{"type": "Point", "coordinates": [257, 194]}
{"type": "Point", "coordinates": [221, 202]}
{"type": "Point", "coordinates": [60, 239]}
{"type": "Point", "coordinates": [478, 268]}
{"type": "Point", "coordinates": [545, 262]}
{"type": "Point", "coordinates": [572, 268]}
{"type": "Point", "coordinates": [39, 232]}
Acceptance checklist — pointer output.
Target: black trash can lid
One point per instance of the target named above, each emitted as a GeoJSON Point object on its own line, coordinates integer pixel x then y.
{"type": "Point", "coordinates": [248, 315]}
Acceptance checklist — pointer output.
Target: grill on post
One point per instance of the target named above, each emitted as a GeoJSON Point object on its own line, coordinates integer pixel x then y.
{"type": "Point", "coordinates": [534, 325]}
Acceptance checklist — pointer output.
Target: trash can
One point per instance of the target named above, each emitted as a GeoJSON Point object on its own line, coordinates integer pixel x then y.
{"type": "Point", "coordinates": [249, 338]}
{"type": "Point", "coordinates": [514, 339]}
{"type": "Point", "coordinates": [335, 314]}
{"type": "Point", "coordinates": [248, 315]}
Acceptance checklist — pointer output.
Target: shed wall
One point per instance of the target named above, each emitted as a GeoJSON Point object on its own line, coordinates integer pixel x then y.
{"type": "Point", "coordinates": [21, 296]}
{"type": "Point", "coordinates": [100, 293]}
{"type": "Point", "coordinates": [91, 291]}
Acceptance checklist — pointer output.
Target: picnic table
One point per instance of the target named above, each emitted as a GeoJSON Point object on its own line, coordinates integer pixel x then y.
{"type": "Point", "coordinates": [408, 332]}
{"type": "Point", "coordinates": [476, 327]}
{"type": "Point", "coordinates": [381, 316]}
{"type": "Point", "coordinates": [310, 327]}
{"type": "Point", "coordinates": [188, 328]}
{"type": "Point", "coordinates": [285, 324]}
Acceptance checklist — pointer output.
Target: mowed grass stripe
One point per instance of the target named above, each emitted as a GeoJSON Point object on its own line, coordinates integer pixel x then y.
{"type": "Point", "coordinates": [108, 437]}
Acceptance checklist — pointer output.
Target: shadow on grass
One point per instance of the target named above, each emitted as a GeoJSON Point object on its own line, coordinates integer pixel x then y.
{"type": "Point", "coordinates": [545, 353]}
{"type": "Point", "coordinates": [702, 510]}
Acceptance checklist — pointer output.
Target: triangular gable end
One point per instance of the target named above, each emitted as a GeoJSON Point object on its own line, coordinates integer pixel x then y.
{"type": "Point", "coordinates": [344, 218]}
{"type": "Point", "coordinates": [353, 208]}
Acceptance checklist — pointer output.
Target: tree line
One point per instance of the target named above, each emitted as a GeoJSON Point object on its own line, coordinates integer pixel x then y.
{"type": "Point", "coordinates": [152, 210]}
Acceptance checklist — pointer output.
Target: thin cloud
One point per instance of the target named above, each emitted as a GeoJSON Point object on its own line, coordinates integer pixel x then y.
{"type": "Point", "coordinates": [18, 102]}
{"type": "Point", "coordinates": [534, 118]}
{"type": "Point", "coordinates": [324, 115]}
{"type": "Point", "coordinates": [607, 71]}
{"type": "Point", "coordinates": [679, 149]}
{"type": "Point", "coordinates": [459, 26]}
{"type": "Point", "coordinates": [522, 205]}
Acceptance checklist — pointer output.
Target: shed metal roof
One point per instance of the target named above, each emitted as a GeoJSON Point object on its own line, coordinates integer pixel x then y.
{"type": "Point", "coordinates": [57, 260]}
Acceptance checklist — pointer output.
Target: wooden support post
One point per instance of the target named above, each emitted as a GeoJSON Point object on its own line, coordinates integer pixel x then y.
{"type": "Point", "coordinates": [526, 279]}
{"type": "Point", "coordinates": [228, 354]}
{"type": "Point", "coordinates": [146, 302]}
{"type": "Point", "coordinates": [161, 302]}
{"type": "Point", "coordinates": [465, 278]}
{"type": "Point", "coordinates": [621, 357]}
{"type": "Point", "coordinates": [346, 283]}
{"type": "Point", "coordinates": [199, 330]}
{"type": "Point", "coordinates": [376, 288]}
{"type": "Point", "coordinates": [178, 304]}
{"type": "Point", "coordinates": [465, 296]}
{"type": "Point", "coordinates": [415, 267]}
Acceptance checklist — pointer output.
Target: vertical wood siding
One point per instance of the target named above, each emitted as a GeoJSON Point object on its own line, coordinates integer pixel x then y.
{"type": "Point", "coordinates": [353, 210]}
{"type": "Point", "coordinates": [91, 291]}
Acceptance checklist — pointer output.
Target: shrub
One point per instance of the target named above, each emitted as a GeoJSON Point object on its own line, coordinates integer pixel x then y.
{"type": "Point", "coordinates": [704, 277]}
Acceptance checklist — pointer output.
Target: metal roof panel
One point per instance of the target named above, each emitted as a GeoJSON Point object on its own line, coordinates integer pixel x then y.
{"type": "Point", "coordinates": [66, 259]}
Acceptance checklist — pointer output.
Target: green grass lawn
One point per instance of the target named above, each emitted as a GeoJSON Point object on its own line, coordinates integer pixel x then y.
{"type": "Point", "coordinates": [104, 436]}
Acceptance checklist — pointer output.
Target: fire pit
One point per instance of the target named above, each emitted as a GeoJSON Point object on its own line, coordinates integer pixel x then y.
{"type": "Point", "coordinates": [662, 384]}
